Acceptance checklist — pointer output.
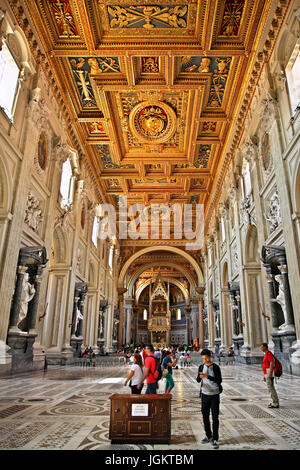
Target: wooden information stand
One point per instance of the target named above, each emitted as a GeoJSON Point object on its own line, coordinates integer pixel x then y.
{"type": "Point", "coordinates": [140, 418]}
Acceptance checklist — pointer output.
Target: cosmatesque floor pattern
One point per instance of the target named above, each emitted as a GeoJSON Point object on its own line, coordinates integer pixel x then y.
{"type": "Point", "coordinates": [67, 408]}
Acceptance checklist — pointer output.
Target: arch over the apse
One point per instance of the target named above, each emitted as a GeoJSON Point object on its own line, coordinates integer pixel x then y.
{"type": "Point", "coordinates": [175, 282]}
{"type": "Point", "coordinates": [150, 249]}
{"type": "Point", "coordinates": [146, 266]}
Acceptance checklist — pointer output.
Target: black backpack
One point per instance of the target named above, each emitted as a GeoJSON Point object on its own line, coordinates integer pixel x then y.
{"type": "Point", "coordinates": [157, 374]}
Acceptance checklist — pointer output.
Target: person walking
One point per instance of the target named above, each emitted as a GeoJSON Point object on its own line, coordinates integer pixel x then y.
{"type": "Point", "coordinates": [150, 366]}
{"type": "Point", "coordinates": [168, 364]}
{"type": "Point", "coordinates": [157, 353]}
{"type": "Point", "coordinates": [210, 377]}
{"type": "Point", "coordinates": [135, 375]}
{"type": "Point", "coordinates": [182, 360]}
{"type": "Point", "coordinates": [268, 365]}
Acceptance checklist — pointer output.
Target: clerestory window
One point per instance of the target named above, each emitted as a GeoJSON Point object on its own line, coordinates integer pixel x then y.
{"type": "Point", "coordinates": [67, 185]}
{"type": "Point", "coordinates": [9, 81]}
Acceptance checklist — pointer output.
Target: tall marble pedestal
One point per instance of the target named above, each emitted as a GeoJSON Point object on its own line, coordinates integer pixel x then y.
{"type": "Point", "coordinates": [283, 348]}
{"type": "Point", "coordinates": [21, 350]}
{"type": "Point", "coordinates": [238, 342]}
{"type": "Point", "coordinates": [100, 344]}
{"type": "Point", "coordinates": [76, 344]}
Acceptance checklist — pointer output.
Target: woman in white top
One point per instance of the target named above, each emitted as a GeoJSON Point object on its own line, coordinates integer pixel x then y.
{"type": "Point", "coordinates": [136, 374]}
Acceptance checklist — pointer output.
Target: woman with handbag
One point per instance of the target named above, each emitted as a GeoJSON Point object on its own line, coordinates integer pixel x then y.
{"type": "Point", "coordinates": [136, 374]}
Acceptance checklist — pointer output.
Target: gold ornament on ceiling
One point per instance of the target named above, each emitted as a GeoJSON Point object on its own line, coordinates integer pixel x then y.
{"type": "Point", "coordinates": [152, 121]}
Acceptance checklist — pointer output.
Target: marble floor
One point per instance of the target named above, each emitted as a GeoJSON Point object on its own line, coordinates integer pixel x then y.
{"type": "Point", "coordinates": [67, 408]}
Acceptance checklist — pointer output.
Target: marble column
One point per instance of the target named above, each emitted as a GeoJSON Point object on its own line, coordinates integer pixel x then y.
{"type": "Point", "coordinates": [121, 338]}
{"type": "Point", "coordinates": [129, 312]}
{"type": "Point", "coordinates": [194, 317]}
{"type": "Point", "coordinates": [188, 324]}
{"type": "Point", "coordinates": [200, 322]}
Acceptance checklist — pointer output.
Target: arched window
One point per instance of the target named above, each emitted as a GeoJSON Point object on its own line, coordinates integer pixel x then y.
{"type": "Point", "coordinates": [9, 81]}
{"type": "Point", "coordinates": [293, 78]}
{"type": "Point", "coordinates": [246, 180]}
{"type": "Point", "coordinates": [95, 231]}
{"type": "Point", "coordinates": [145, 314]}
{"type": "Point", "coordinates": [209, 257]}
{"type": "Point", "coordinates": [111, 257]}
{"type": "Point", "coordinates": [223, 230]}
{"type": "Point", "coordinates": [178, 314]}
{"type": "Point", "coordinates": [67, 185]}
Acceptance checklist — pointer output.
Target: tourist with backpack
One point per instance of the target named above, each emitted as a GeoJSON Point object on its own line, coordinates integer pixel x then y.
{"type": "Point", "coordinates": [152, 371]}
{"type": "Point", "coordinates": [167, 364]}
{"type": "Point", "coordinates": [268, 367]}
{"type": "Point", "coordinates": [210, 378]}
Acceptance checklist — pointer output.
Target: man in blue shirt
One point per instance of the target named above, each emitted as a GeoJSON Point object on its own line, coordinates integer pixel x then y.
{"type": "Point", "coordinates": [168, 364]}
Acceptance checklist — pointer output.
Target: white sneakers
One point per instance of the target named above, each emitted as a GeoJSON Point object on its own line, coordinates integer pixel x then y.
{"type": "Point", "coordinates": [214, 444]}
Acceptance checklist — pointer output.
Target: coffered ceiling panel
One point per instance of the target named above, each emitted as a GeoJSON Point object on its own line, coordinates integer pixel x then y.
{"type": "Point", "coordinates": [152, 88]}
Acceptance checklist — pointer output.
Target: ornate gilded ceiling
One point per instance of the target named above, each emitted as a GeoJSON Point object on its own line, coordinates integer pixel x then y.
{"type": "Point", "coordinates": [152, 88]}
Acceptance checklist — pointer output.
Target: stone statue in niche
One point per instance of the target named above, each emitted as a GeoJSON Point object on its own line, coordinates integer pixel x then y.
{"type": "Point", "coordinates": [27, 295]}
{"type": "Point", "coordinates": [79, 316]}
{"type": "Point", "coordinates": [33, 213]}
{"type": "Point", "coordinates": [273, 215]}
{"type": "Point", "coordinates": [115, 329]}
{"type": "Point", "coordinates": [217, 326]}
{"type": "Point", "coordinates": [78, 260]}
{"type": "Point", "coordinates": [281, 300]}
{"type": "Point", "coordinates": [101, 332]}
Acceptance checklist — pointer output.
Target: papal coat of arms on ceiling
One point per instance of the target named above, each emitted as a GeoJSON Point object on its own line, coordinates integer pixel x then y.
{"type": "Point", "coordinates": [152, 121]}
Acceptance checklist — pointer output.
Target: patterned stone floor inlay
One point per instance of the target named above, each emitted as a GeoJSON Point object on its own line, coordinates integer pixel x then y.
{"type": "Point", "coordinates": [68, 408]}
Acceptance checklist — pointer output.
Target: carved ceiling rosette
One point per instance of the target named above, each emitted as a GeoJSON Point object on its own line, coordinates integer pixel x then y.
{"type": "Point", "coordinates": [152, 122]}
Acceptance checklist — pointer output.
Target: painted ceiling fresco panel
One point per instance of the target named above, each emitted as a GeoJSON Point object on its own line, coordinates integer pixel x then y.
{"type": "Point", "coordinates": [232, 17]}
{"type": "Point", "coordinates": [148, 16]}
{"type": "Point", "coordinates": [106, 158]}
{"type": "Point", "coordinates": [96, 128]}
{"type": "Point", "coordinates": [203, 156]}
{"type": "Point", "coordinates": [218, 69]}
{"type": "Point", "coordinates": [81, 73]}
{"type": "Point", "coordinates": [64, 18]}
{"type": "Point", "coordinates": [84, 67]}
{"type": "Point", "coordinates": [150, 65]}
{"type": "Point", "coordinates": [140, 19]}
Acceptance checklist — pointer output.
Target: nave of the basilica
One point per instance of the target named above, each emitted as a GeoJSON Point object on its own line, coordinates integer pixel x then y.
{"type": "Point", "coordinates": [185, 114]}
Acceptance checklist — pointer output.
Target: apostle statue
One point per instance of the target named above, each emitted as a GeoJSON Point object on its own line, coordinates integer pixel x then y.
{"type": "Point", "coordinates": [27, 295]}
{"type": "Point", "coordinates": [281, 300]}
{"type": "Point", "coordinates": [79, 316]}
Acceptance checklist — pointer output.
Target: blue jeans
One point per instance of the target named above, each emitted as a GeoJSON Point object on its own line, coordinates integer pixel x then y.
{"type": "Point", "coordinates": [151, 388]}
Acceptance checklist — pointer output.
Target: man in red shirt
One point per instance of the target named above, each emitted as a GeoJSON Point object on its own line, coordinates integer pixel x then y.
{"type": "Point", "coordinates": [150, 364]}
{"type": "Point", "coordinates": [268, 369]}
